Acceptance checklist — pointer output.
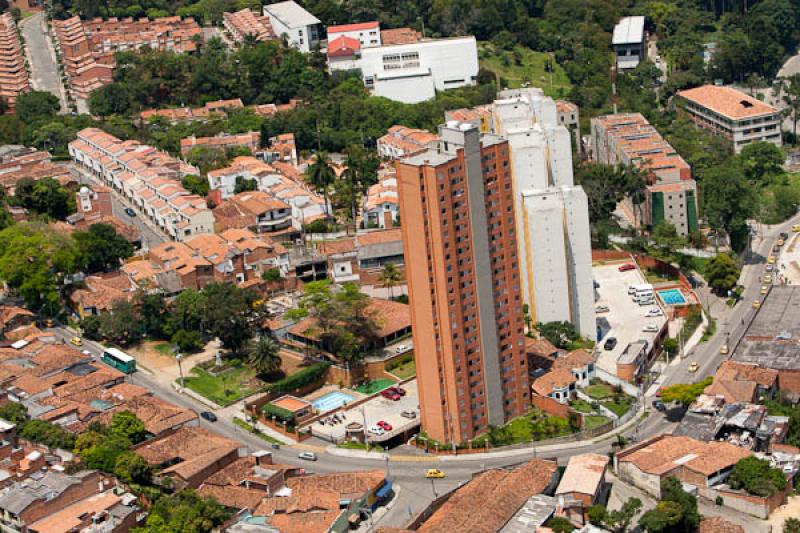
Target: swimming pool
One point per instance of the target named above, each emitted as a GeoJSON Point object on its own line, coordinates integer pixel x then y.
{"type": "Point", "coordinates": [332, 400]}
{"type": "Point", "coordinates": [672, 297]}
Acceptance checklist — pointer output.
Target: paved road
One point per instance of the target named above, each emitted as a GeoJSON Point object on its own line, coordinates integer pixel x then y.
{"type": "Point", "coordinates": [150, 236]}
{"type": "Point", "coordinates": [41, 58]}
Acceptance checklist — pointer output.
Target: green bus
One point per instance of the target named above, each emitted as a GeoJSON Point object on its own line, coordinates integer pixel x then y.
{"type": "Point", "coordinates": [119, 360]}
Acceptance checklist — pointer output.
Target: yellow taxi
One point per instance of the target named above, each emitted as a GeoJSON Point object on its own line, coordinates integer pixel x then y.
{"type": "Point", "coordinates": [796, 228]}
{"type": "Point", "coordinates": [48, 323]}
{"type": "Point", "coordinates": [764, 289]}
{"type": "Point", "coordinates": [434, 473]}
{"type": "Point", "coordinates": [771, 260]}
{"type": "Point", "coordinates": [76, 341]}
{"type": "Point", "coordinates": [724, 349]}
{"type": "Point", "coordinates": [756, 304]}
{"type": "Point", "coordinates": [767, 278]}
{"type": "Point", "coordinates": [693, 366]}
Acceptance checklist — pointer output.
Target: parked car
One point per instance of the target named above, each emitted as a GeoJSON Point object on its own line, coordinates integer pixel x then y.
{"type": "Point", "coordinates": [771, 260]}
{"type": "Point", "coordinates": [626, 267]}
{"type": "Point", "coordinates": [208, 415]}
{"type": "Point", "coordinates": [376, 430]}
{"type": "Point", "coordinates": [650, 328]}
{"type": "Point", "coordinates": [610, 343]}
{"type": "Point", "coordinates": [756, 304]}
{"type": "Point", "coordinates": [693, 367]}
{"type": "Point", "coordinates": [654, 312]}
{"type": "Point", "coordinates": [86, 352]}
{"type": "Point", "coordinates": [766, 278]}
{"type": "Point", "coordinates": [409, 414]}
{"type": "Point", "coordinates": [796, 228]}
{"type": "Point", "coordinates": [723, 349]}
{"type": "Point", "coordinates": [769, 268]}
{"type": "Point", "coordinates": [130, 212]}
{"type": "Point", "coordinates": [385, 425]}
{"type": "Point", "coordinates": [601, 309]}
{"type": "Point", "coordinates": [398, 390]}
{"type": "Point", "coordinates": [401, 348]}
{"type": "Point", "coordinates": [780, 242]}
{"type": "Point", "coordinates": [434, 473]}
{"type": "Point", "coordinates": [390, 394]}
{"type": "Point", "coordinates": [764, 289]}
{"type": "Point", "coordinates": [658, 405]}
{"type": "Point", "coordinates": [308, 456]}
{"type": "Point", "coordinates": [76, 341]}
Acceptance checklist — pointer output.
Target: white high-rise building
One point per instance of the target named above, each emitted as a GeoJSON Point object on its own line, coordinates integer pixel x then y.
{"type": "Point", "coordinates": [553, 230]}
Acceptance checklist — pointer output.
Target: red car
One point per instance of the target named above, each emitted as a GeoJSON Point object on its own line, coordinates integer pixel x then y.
{"type": "Point", "coordinates": [390, 394]}
{"type": "Point", "coordinates": [398, 390]}
{"type": "Point", "coordinates": [385, 425]}
{"type": "Point", "coordinates": [626, 267]}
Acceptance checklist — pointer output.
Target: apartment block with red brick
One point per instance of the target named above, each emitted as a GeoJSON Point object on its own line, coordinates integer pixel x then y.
{"type": "Point", "coordinates": [461, 265]}
{"type": "Point", "coordinates": [13, 75]}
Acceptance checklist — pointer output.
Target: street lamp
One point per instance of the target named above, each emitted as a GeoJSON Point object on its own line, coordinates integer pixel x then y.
{"type": "Point", "coordinates": [179, 357]}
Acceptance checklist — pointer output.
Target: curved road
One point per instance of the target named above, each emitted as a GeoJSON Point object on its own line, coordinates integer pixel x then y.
{"type": "Point", "coordinates": [414, 492]}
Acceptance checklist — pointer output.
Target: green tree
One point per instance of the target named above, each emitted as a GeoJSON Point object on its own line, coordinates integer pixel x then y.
{"type": "Point", "coordinates": [617, 521]}
{"type": "Point", "coordinates": [102, 248]}
{"type": "Point", "coordinates": [184, 511]}
{"type": "Point", "coordinates": [729, 200]}
{"type": "Point", "coordinates": [13, 412]}
{"type": "Point", "coordinates": [672, 491]}
{"type": "Point", "coordinates": [671, 346]}
{"type": "Point", "coordinates": [654, 521]}
{"type": "Point", "coordinates": [666, 238]}
{"type": "Point", "coordinates": [207, 158]}
{"type": "Point", "coordinates": [33, 260]}
{"type": "Point", "coordinates": [125, 424]}
{"type": "Point", "coordinates": [390, 277]}
{"type": "Point", "coordinates": [45, 196]}
{"type": "Point", "coordinates": [154, 313]}
{"type": "Point", "coordinates": [227, 313]}
{"type": "Point", "coordinates": [244, 184]}
{"type": "Point", "coordinates": [33, 106]}
{"type": "Point", "coordinates": [320, 176]}
{"type": "Point", "coordinates": [560, 334]}
{"type": "Point", "coordinates": [790, 94]}
{"type": "Point", "coordinates": [132, 468]}
{"type": "Point", "coordinates": [756, 477]}
{"type": "Point", "coordinates": [684, 393]}
{"type": "Point", "coordinates": [559, 524]}
{"type": "Point", "coordinates": [51, 435]}
{"type": "Point", "coordinates": [761, 161]}
{"type": "Point", "coordinates": [187, 341]}
{"type": "Point", "coordinates": [195, 184]}
{"type": "Point", "coordinates": [272, 274]}
{"type": "Point", "coordinates": [791, 525]}
{"type": "Point", "coordinates": [722, 273]}
{"type": "Point", "coordinates": [264, 356]}
{"type": "Point", "coordinates": [122, 325]}
{"type": "Point", "coordinates": [103, 455]}
{"type": "Point", "coordinates": [112, 99]}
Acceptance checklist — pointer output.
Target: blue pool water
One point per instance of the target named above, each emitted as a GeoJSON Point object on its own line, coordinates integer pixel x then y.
{"type": "Point", "coordinates": [672, 297]}
{"type": "Point", "coordinates": [332, 400]}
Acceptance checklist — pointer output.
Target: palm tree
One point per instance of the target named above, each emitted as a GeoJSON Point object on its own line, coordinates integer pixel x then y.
{"type": "Point", "coordinates": [264, 356]}
{"type": "Point", "coordinates": [390, 277]}
{"type": "Point", "coordinates": [790, 89]}
{"type": "Point", "coordinates": [320, 176]}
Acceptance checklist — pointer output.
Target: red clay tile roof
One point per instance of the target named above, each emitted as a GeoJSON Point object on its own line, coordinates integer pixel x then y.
{"type": "Point", "coordinates": [663, 453]}
{"type": "Point", "coordinates": [343, 46]}
{"type": "Point", "coordinates": [727, 101]}
{"type": "Point", "coordinates": [305, 522]}
{"type": "Point", "coordinates": [490, 499]}
{"type": "Point", "coordinates": [358, 26]}
{"type": "Point", "coordinates": [716, 524]}
{"type": "Point", "coordinates": [555, 379]}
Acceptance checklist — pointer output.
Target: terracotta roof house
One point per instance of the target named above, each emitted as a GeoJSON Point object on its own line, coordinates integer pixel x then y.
{"type": "Point", "coordinates": [557, 384]}
{"type": "Point", "coordinates": [490, 499]}
{"type": "Point", "coordinates": [743, 382]}
{"type": "Point", "coordinates": [699, 463]}
{"type": "Point", "coordinates": [716, 524]}
{"type": "Point", "coordinates": [584, 478]}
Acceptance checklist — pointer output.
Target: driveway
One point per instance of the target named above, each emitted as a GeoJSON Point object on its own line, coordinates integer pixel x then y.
{"type": "Point", "coordinates": [42, 58]}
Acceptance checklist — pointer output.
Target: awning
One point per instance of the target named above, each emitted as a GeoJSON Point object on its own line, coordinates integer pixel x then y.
{"type": "Point", "coordinates": [385, 490]}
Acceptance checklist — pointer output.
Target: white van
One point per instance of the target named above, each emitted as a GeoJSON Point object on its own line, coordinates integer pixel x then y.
{"type": "Point", "coordinates": [634, 290]}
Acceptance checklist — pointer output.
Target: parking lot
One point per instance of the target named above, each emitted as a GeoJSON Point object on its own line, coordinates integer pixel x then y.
{"type": "Point", "coordinates": [371, 412]}
{"type": "Point", "coordinates": [625, 317]}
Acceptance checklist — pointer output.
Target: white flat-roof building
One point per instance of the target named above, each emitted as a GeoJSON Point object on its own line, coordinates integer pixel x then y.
{"type": "Point", "coordinates": [413, 71]}
{"type": "Point", "coordinates": [737, 116]}
{"type": "Point", "coordinates": [553, 231]}
{"type": "Point", "coordinates": [290, 19]}
{"type": "Point", "coordinates": [368, 34]}
{"type": "Point", "coordinates": [628, 43]}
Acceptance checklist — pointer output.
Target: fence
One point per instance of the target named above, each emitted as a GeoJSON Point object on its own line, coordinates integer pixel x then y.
{"type": "Point", "coordinates": [627, 388]}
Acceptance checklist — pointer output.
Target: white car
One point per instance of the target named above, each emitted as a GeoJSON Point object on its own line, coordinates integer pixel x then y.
{"type": "Point", "coordinates": [654, 312]}
{"type": "Point", "coordinates": [401, 348]}
{"type": "Point", "coordinates": [650, 328]}
{"type": "Point", "coordinates": [376, 430]}
{"type": "Point", "coordinates": [601, 309]}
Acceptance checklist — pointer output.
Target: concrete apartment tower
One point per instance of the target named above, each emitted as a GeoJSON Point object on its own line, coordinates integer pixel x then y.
{"type": "Point", "coordinates": [459, 237]}
{"type": "Point", "coordinates": [553, 231]}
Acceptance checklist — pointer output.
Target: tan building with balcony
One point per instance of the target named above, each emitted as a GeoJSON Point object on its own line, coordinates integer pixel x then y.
{"type": "Point", "coordinates": [13, 75]}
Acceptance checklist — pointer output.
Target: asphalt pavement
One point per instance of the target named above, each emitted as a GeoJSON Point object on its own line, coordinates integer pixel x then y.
{"type": "Point", "coordinates": [41, 58]}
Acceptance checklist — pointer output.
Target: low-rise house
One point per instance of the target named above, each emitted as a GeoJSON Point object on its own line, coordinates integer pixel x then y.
{"type": "Point", "coordinates": [244, 23]}
{"type": "Point", "coordinates": [584, 478]}
{"type": "Point", "coordinates": [717, 524]}
{"type": "Point", "coordinates": [401, 141]}
{"type": "Point", "coordinates": [59, 502]}
{"type": "Point", "coordinates": [189, 455]}
{"type": "Point", "coordinates": [478, 116]}
{"type": "Point", "coordinates": [253, 209]}
{"type": "Point", "coordinates": [217, 108]}
{"type": "Point", "coordinates": [13, 317]}
{"type": "Point", "coordinates": [559, 385]}
{"type": "Point", "coordinates": [632, 361]}
{"type": "Point", "coordinates": [376, 249]}
{"type": "Point", "coordinates": [743, 382]}
{"type": "Point", "coordinates": [492, 498]}
{"type": "Point", "coordinates": [580, 362]}
{"type": "Point", "coordinates": [13, 74]}
{"type": "Point", "coordinates": [629, 42]}
{"type": "Point", "coordinates": [381, 208]}
{"type": "Point", "coordinates": [702, 464]}
{"type": "Point", "coordinates": [250, 140]}
{"type": "Point", "coordinates": [100, 293]}
{"type": "Point", "coordinates": [281, 148]}
{"type": "Point", "coordinates": [17, 162]}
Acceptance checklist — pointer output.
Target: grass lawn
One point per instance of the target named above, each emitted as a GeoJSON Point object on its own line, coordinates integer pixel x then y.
{"type": "Point", "coordinates": [371, 387]}
{"type": "Point", "coordinates": [405, 371]}
{"type": "Point", "coordinates": [522, 429]}
{"type": "Point", "coordinates": [591, 422]}
{"type": "Point", "coordinates": [619, 407]}
{"type": "Point", "coordinates": [263, 436]}
{"type": "Point", "coordinates": [225, 389]}
{"type": "Point", "coordinates": [582, 406]}
{"type": "Point", "coordinates": [523, 65]}
{"type": "Point", "coordinates": [599, 391]}
{"type": "Point", "coordinates": [164, 348]}
{"type": "Point", "coordinates": [654, 277]}
{"type": "Point", "coordinates": [352, 445]}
